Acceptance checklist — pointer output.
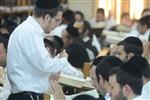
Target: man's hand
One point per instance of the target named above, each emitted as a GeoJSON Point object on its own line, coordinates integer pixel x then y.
{"type": "Point", "coordinates": [56, 90]}
{"type": "Point", "coordinates": [63, 54]}
{"type": "Point", "coordinates": [55, 76]}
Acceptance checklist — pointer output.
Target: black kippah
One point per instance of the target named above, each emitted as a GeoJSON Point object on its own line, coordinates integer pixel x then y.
{"type": "Point", "coordinates": [72, 30]}
{"type": "Point", "coordinates": [47, 4]}
{"type": "Point", "coordinates": [97, 60]}
{"type": "Point", "coordinates": [133, 41]}
{"type": "Point", "coordinates": [135, 66]}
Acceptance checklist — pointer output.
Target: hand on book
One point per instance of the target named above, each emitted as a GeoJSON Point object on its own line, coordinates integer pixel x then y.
{"type": "Point", "coordinates": [55, 76]}
{"type": "Point", "coordinates": [56, 90]}
{"type": "Point", "coordinates": [63, 54]}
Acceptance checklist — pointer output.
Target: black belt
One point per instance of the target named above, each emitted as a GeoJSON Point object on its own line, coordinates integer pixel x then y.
{"type": "Point", "coordinates": [32, 95]}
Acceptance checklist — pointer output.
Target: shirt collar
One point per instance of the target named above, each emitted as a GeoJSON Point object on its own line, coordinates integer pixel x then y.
{"type": "Point", "coordinates": [146, 88]}
{"type": "Point", "coordinates": [36, 25]}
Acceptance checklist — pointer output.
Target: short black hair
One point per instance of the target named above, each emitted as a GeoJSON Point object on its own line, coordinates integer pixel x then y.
{"type": "Point", "coordinates": [68, 16]}
{"type": "Point", "coordinates": [58, 43]}
{"type": "Point", "coordinates": [114, 71]}
{"type": "Point", "coordinates": [77, 55]}
{"type": "Point", "coordinates": [106, 65]}
{"type": "Point", "coordinates": [84, 97]}
{"type": "Point", "coordinates": [124, 14]}
{"type": "Point", "coordinates": [130, 73]}
{"type": "Point", "coordinates": [39, 12]}
{"type": "Point", "coordinates": [80, 13]}
{"type": "Point", "coordinates": [4, 38]}
{"type": "Point", "coordinates": [135, 83]}
{"type": "Point", "coordinates": [48, 43]}
{"type": "Point", "coordinates": [72, 31]}
{"type": "Point", "coordinates": [101, 10]}
{"type": "Point", "coordinates": [133, 45]}
{"type": "Point", "coordinates": [10, 25]}
{"type": "Point", "coordinates": [145, 21]}
{"type": "Point", "coordinates": [97, 60]}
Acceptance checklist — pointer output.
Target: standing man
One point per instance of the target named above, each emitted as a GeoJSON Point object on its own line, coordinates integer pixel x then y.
{"type": "Point", "coordinates": [28, 62]}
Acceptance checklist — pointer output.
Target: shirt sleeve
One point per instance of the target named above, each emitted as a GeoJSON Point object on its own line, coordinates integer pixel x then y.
{"type": "Point", "coordinates": [34, 50]}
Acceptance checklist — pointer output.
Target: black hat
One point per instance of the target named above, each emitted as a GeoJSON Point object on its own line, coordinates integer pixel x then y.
{"type": "Point", "coordinates": [134, 41]}
{"type": "Point", "coordinates": [134, 45]}
{"type": "Point", "coordinates": [135, 66]}
{"type": "Point", "coordinates": [48, 43]}
{"type": "Point", "coordinates": [47, 4]}
{"type": "Point", "coordinates": [112, 60]}
{"type": "Point", "coordinates": [97, 60]}
{"type": "Point", "coordinates": [77, 55]}
{"type": "Point", "coordinates": [72, 30]}
{"type": "Point", "coordinates": [106, 65]}
{"type": "Point", "coordinates": [58, 42]}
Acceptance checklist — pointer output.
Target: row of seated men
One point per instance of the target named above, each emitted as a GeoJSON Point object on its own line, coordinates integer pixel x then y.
{"type": "Point", "coordinates": [118, 76]}
{"type": "Point", "coordinates": [86, 35]}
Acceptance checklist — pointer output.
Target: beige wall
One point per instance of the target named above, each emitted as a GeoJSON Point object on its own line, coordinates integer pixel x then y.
{"type": "Point", "coordinates": [86, 6]}
{"type": "Point", "coordinates": [146, 4]}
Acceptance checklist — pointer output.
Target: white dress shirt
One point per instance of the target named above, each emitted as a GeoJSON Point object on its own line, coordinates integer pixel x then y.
{"type": "Point", "coordinates": [58, 30]}
{"type": "Point", "coordinates": [143, 38]}
{"type": "Point", "coordinates": [28, 62]}
{"type": "Point", "coordinates": [107, 96]}
{"type": "Point", "coordinates": [145, 95]}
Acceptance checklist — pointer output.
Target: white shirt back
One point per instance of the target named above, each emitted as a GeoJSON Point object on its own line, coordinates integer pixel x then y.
{"type": "Point", "coordinates": [28, 62]}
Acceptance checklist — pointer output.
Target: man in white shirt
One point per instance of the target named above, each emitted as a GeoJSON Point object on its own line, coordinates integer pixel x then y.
{"type": "Point", "coordinates": [99, 21]}
{"type": "Point", "coordinates": [28, 62]}
{"type": "Point", "coordinates": [67, 17]}
{"type": "Point", "coordinates": [102, 75]}
{"type": "Point", "coordinates": [143, 29]}
{"type": "Point", "coordinates": [126, 80]}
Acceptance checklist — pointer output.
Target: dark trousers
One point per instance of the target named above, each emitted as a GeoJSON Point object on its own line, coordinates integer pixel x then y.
{"type": "Point", "coordinates": [26, 96]}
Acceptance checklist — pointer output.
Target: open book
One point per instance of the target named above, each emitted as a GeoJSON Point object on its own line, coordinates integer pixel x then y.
{"type": "Point", "coordinates": [113, 37]}
{"type": "Point", "coordinates": [74, 81]}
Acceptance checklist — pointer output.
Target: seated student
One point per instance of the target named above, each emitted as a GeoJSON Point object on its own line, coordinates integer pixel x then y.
{"type": "Point", "coordinates": [3, 52]}
{"type": "Point", "coordinates": [59, 44]}
{"type": "Point", "coordinates": [50, 47]}
{"type": "Point", "coordinates": [88, 40]}
{"type": "Point", "coordinates": [125, 82]}
{"type": "Point", "coordinates": [145, 12]}
{"type": "Point", "coordinates": [125, 24]}
{"type": "Point", "coordinates": [99, 21]}
{"type": "Point", "coordinates": [128, 48]}
{"type": "Point", "coordinates": [143, 29]}
{"type": "Point", "coordinates": [54, 45]}
{"type": "Point", "coordinates": [102, 74]}
{"type": "Point", "coordinates": [79, 16]}
{"type": "Point", "coordinates": [77, 54]}
{"type": "Point", "coordinates": [67, 18]}
{"type": "Point", "coordinates": [92, 72]}
{"type": "Point", "coordinates": [8, 26]}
